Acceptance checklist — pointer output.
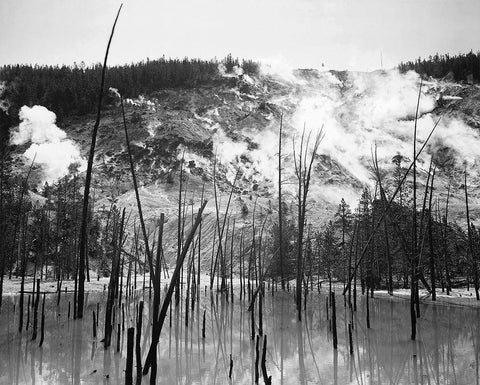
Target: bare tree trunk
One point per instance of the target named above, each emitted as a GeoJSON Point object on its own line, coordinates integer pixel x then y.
{"type": "Point", "coordinates": [446, 261]}
{"type": "Point", "coordinates": [199, 250]}
{"type": "Point", "coordinates": [179, 227]}
{"type": "Point", "coordinates": [383, 197]}
{"type": "Point", "coordinates": [280, 207]}
{"type": "Point", "coordinates": [168, 296]}
{"type": "Point", "coordinates": [430, 236]}
{"type": "Point", "coordinates": [24, 263]}
{"type": "Point", "coordinates": [88, 180]}
{"type": "Point", "coordinates": [470, 242]}
{"type": "Point", "coordinates": [2, 230]}
{"type": "Point", "coordinates": [414, 280]}
{"type": "Point", "coordinates": [231, 261]}
{"type": "Point", "coordinates": [137, 197]}
{"type": "Point", "coordinates": [222, 229]}
{"type": "Point", "coordinates": [354, 234]}
{"type": "Point", "coordinates": [303, 169]}
{"type": "Point", "coordinates": [380, 220]}
{"type": "Point", "coordinates": [117, 241]}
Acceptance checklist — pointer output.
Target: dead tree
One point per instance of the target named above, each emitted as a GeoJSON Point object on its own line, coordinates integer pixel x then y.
{"type": "Point", "coordinates": [113, 282]}
{"type": "Point", "coordinates": [414, 257]}
{"type": "Point", "coordinates": [379, 178]}
{"type": "Point", "coordinates": [303, 169]}
{"type": "Point", "coordinates": [221, 229]}
{"type": "Point", "coordinates": [149, 361]}
{"type": "Point", "coordinates": [430, 238]}
{"type": "Point", "coordinates": [280, 207]}
{"type": "Point", "coordinates": [470, 242]}
{"type": "Point", "coordinates": [387, 208]}
{"type": "Point", "coordinates": [137, 195]}
{"type": "Point", "coordinates": [88, 180]}
{"type": "Point", "coordinates": [446, 262]}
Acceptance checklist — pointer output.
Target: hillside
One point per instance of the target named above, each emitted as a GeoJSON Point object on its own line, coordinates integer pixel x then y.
{"type": "Point", "coordinates": [236, 118]}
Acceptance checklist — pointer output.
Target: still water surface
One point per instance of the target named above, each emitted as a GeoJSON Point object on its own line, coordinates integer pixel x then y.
{"type": "Point", "coordinates": [446, 352]}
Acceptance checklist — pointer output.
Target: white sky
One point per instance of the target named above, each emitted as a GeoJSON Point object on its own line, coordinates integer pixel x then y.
{"type": "Point", "coordinates": [343, 34]}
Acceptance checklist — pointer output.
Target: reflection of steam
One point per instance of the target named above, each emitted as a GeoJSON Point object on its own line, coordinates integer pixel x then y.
{"type": "Point", "coordinates": [50, 144]}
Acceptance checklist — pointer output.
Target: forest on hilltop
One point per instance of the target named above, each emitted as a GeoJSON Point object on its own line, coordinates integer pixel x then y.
{"type": "Point", "coordinates": [463, 67]}
{"type": "Point", "coordinates": [72, 90]}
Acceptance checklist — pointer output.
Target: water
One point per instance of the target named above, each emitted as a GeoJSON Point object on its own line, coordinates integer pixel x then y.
{"type": "Point", "coordinates": [446, 352]}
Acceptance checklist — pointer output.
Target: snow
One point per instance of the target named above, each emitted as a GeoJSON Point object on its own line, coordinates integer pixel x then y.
{"type": "Point", "coordinates": [450, 97]}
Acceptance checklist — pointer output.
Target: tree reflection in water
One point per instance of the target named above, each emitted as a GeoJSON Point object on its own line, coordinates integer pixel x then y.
{"type": "Point", "coordinates": [447, 349]}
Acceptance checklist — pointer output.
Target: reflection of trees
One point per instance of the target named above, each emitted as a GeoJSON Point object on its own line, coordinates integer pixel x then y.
{"type": "Point", "coordinates": [439, 353]}
{"type": "Point", "coordinates": [447, 349]}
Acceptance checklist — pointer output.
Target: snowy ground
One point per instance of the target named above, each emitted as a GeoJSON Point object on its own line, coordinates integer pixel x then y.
{"type": "Point", "coordinates": [458, 297]}
{"type": "Point", "coordinates": [12, 286]}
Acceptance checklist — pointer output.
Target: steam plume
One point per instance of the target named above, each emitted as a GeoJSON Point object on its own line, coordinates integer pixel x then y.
{"type": "Point", "coordinates": [54, 151]}
{"type": "Point", "coordinates": [358, 110]}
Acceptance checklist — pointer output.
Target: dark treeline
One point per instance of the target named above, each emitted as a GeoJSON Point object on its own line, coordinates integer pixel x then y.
{"type": "Point", "coordinates": [73, 90]}
{"type": "Point", "coordinates": [463, 67]}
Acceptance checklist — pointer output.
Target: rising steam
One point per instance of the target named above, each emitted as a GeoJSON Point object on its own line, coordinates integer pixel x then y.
{"type": "Point", "coordinates": [357, 111]}
{"type": "Point", "coordinates": [49, 144]}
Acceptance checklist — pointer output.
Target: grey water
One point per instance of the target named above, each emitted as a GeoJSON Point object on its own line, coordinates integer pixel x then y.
{"type": "Point", "coordinates": [446, 350]}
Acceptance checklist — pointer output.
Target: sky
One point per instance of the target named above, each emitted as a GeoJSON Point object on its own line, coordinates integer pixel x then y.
{"type": "Point", "coordinates": [338, 34]}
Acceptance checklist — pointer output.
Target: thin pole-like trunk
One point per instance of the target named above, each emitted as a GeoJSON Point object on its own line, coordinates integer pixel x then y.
{"type": "Point", "coordinates": [117, 240]}
{"type": "Point", "coordinates": [383, 197]}
{"type": "Point", "coordinates": [380, 220]}
{"type": "Point", "coordinates": [179, 227]}
{"type": "Point", "coordinates": [303, 168]}
{"type": "Point", "coordinates": [2, 228]}
{"type": "Point", "coordinates": [22, 284]}
{"type": "Point", "coordinates": [231, 261]}
{"type": "Point", "coordinates": [414, 262]}
{"type": "Point", "coordinates": [470, 242]}
{"type": "Point", "coordinates": [199, 251]}
{"type": "Point", "coordinates": [354, 234]}
{"type": "Point", "coordinates": [280, 208]}
{"type": "Point", "coordinates": [168, 296]}
{"type": "Point", "coordinates": [446, 261]}
{"type": "Point", "coordinates": [430, 236]}
{"type": "Point", "coordinates": [220, 229]}
{"type": "Point", "coordinates": [88, 180]}
{"type": "Point", "coordinates": [137, 197]}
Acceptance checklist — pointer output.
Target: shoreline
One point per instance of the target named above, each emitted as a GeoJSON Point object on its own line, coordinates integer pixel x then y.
{"type": "Point", "coordinates": [459, 297]}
